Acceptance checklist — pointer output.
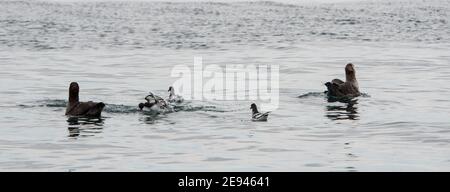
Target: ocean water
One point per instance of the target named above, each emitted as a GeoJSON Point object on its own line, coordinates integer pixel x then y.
{"type": "Point", "coordinates": [119, 51]}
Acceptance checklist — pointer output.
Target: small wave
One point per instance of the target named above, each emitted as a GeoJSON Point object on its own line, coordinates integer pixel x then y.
{"type": "Point", "coordinates": [58, 103]}
{"type": "Point", "coordinates": [119, 108]}
{"type": "Point", "coordinates": [191, 108]}
{"type": "Point", "coordinates": [46, 103]}
{"type": "Point", "coordinates": [323, 94]}
{"type": "Point", "coordinates": [268, 3]}
{"type": "Point", "coordinates": [55, 103]}
{"type": "Point", "coordinates": [312, 94]}
{"type": "Point", "coordinates": [332, 99]}
{"type": "Point", "coordinates": [365, 95]}
{"type": "Point", "coordinates": [113, 108]}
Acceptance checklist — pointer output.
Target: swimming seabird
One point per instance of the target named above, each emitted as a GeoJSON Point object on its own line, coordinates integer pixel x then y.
{"type": "Point", "coordinates": [77, 108]}
{"type": "Point", "coordinates": [256, 115]}
{"type": "Point", "coordinates": [349, 88]}
{"type": "Point", "coordinates": [153, 101]}
{"type": "Point", "coordinates": [172, 97]}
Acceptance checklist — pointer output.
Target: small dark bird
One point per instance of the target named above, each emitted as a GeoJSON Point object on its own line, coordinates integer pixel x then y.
{"type": "Point", "coordinates": [77, 108]}
{"type": "Point", "coordinates": [256, 115]}
{"type": "Point", "coordinates": [349, 88]}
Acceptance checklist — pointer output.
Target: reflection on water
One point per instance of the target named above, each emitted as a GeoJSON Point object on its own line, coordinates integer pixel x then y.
{"type": "Point", "coordinates": [337, 111]}
{"type": "Point", "coordinates": [351, 157]}
{"type": "Point", "coordinates": [84, 126]}
{"type": "Point", "coordinates": [149, 119]}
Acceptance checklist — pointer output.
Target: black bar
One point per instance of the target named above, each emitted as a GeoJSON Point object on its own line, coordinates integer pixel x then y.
{"type": "Point", "coordinates": [222, 181]}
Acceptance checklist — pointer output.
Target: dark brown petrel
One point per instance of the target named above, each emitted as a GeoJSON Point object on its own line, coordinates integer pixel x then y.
{"type": "Point", "coordinates": [77, 108]}
{"type": "Point", "coordinates": [349, 88]}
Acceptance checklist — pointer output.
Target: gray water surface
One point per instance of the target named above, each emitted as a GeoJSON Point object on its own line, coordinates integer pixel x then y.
{"type": "Point", "coordinates": [120, 51]}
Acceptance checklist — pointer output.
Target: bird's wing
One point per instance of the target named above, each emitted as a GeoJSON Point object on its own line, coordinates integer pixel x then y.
{"type": "Point", "coordinates": [334, 89]}
{"type": "Point", "coordinates": [259, 115]}
{"type": "Point", "coordinates": [83, 108]}
{"type": "Point", "coordinates": [337, 81]}
{"type": "Point", "coordinates": [348, 89]}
